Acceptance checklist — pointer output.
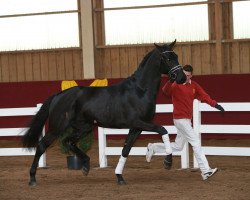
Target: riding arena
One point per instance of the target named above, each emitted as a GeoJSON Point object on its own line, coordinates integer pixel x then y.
{"type": "Point", "coordinates": [76, 119]}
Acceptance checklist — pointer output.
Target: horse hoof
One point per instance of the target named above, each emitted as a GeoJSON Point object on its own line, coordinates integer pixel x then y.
{"type": "Point", "coordinates": [121, 182]}
{"type": "Point", "coordinates": [85, 171]}
{"type": "Point", "coordinates": [168, 162]}
{"type": "Point", "coordinates": [32, 184]}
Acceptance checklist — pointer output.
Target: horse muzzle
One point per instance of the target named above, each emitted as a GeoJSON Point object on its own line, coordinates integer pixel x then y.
{"type": "Point", "coordinates": [180, 77]}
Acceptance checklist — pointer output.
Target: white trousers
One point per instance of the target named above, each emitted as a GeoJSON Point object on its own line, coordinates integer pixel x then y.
{"type": "Point", "coordinates": [185, 133]}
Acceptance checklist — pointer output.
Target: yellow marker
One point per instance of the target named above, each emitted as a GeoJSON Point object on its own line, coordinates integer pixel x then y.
{"type": "Point", "coordinates": [68, 84]}
{"type": "Point", "coordinates": [99, 83]}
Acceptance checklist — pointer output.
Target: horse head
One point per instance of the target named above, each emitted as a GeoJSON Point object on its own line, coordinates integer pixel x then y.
{"type": "Point", "coordinates": [170, 64]}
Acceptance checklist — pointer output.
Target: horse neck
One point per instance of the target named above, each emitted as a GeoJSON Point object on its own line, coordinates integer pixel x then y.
{"type": "Point", "coordinates": [138, 72]}
{"type": "Point", "coordinates": [149, 79]}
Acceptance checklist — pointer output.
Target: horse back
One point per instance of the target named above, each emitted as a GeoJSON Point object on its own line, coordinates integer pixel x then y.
{"type": "Point", "coordinates": [117, 106]}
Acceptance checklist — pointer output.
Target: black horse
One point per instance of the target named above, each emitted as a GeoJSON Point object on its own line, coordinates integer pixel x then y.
{"type": "Point", "coordinates": [129, 104]}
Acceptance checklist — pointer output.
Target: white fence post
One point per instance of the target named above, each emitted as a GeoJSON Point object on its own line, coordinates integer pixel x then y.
{"type": "Point", "coordinates": [102, 146]}
{"type": "Point", "coordinates": [185, 156]}
{"type": "Point", "coordinates": [196, 124]}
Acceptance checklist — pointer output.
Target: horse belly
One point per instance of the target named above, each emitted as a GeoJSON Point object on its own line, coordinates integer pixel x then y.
{"type": "Point", "coordinates": [112, 118]}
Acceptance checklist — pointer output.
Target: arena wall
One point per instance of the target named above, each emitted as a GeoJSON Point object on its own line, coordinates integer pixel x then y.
{"type": "Point", "coordinates": [223, 88]}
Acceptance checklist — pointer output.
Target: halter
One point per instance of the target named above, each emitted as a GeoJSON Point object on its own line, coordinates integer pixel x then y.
{"type": "Point", "coordinates": [172, 71]}
{"type": "Point", "coordinates": [167, 51]}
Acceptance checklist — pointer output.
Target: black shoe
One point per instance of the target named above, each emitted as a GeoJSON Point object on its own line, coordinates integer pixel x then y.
{"type": "Point", "coordinates": [168, 162]}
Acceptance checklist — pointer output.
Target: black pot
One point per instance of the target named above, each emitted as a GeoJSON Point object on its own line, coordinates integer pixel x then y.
{"type": "Point", "coordinates": [74, 162]}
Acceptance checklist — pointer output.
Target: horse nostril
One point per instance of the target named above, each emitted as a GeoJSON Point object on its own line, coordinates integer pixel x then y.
{"type": "Point", "coordinates": [173, 76]}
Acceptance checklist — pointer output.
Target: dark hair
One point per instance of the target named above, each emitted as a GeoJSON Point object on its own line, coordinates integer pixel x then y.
{"type": "Point", "coordinates": [188, 68]}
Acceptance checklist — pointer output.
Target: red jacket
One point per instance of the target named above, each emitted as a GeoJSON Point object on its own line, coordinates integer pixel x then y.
{"type": "Point", "coordinates": [183, 96]}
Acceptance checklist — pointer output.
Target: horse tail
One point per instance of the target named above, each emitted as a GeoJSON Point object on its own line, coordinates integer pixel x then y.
{"type": "Point", "coordinates": [32, 135]}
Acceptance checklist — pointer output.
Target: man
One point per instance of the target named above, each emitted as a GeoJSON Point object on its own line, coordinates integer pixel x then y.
{"type": "Point", "coordinates": [182, 98]}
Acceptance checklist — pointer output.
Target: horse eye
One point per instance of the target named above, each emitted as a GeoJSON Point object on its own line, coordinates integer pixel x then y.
{"type": "Point", "coordinates": [169, 59]}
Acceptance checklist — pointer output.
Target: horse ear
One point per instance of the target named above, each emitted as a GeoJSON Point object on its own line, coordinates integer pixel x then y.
{"type": "Point", "coordinates": [159, 47]}
{"type": "Point", "coordinates": [172, 44]}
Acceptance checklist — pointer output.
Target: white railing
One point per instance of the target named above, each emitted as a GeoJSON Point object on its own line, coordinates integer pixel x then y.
{"type": "Point", "coordinates": [8, 112]}
{"type": "Point", "coordinates": [105, 151]}
{"type": "Point", "coordinates": [221, 129]}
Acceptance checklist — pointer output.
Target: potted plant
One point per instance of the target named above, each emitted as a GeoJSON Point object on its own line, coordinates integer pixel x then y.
{"type": "Point", "coordinates": [73, 161]}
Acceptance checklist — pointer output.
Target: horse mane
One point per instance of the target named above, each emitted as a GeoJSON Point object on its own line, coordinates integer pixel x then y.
{"type": "Point", "coordinates": [138, 72]}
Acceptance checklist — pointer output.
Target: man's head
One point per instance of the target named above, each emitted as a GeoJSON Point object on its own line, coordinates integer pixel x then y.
{"type": "Point", "coordinates": [188, 70]}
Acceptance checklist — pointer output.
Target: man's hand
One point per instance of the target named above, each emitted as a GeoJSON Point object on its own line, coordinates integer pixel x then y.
{"type": "Point", "coordinates": [219, 107]}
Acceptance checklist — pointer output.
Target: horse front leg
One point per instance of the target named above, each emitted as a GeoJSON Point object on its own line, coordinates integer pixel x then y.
{"type": "Point", "coordinates": [129, 142]}
{"type": "Point", "coordinates": [165, 138]}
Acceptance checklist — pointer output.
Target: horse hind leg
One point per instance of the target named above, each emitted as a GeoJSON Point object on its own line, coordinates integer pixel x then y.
{"type": "Point", "coordinates": [72, 143]}
{"type": "Point", "coordinates": [86, 159]}
{"type": "Point", "coordinates": [44, 143]}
